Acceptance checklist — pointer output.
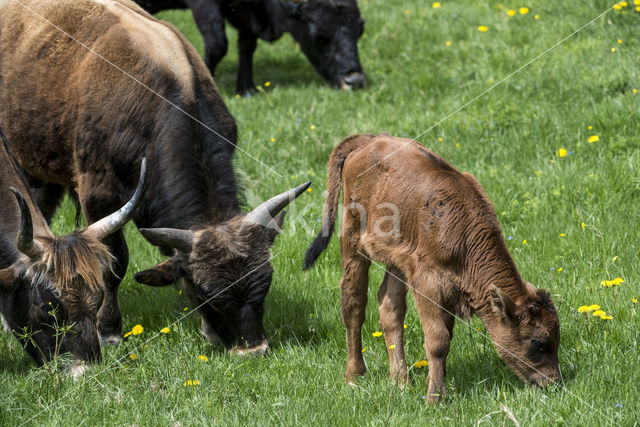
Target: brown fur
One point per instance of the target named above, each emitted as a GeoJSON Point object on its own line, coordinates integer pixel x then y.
{"type": "Point", "coordinates": [448, 247]}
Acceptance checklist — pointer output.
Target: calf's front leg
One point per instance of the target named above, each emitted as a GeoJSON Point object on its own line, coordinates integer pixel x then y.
{"type": "Point", "coordinates": [437, 325]}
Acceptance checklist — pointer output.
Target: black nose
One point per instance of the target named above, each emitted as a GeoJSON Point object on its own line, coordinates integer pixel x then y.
{"type": "Point", "coordinates": [354, 80]}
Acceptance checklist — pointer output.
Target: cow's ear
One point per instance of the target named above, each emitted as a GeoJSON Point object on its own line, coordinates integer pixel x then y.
{"type": "Point", "coordinates": [163, 274]}
{"type": "Point", "coordinates": [502, 304]}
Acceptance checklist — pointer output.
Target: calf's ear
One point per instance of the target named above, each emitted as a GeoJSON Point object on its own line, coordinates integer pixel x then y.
{"type": "Point", "coordinates": [502, 304]}
{"type": "Point", "coordinates": [163, 274]}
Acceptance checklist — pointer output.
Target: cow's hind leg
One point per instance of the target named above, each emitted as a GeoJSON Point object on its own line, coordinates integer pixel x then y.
{"type": "Point", "coordinates": [437, 325]}
{"type": "Point", "coordinates": [353, 287]}
{"type": "Point", "coordinates": [392, 305]}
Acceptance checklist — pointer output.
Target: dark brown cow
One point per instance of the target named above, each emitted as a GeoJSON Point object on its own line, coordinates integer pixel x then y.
{"type": "Point", "coordinates": [47, 282]}
{"type": "Point", "coordinates": [83, 119]}
{"type": "Point", "coordinates": [435, 230]}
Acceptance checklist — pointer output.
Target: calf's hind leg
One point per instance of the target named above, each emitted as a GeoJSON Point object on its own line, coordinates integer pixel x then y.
{"type": "Point", "coordinates": [437, 325]}
{"type": "Point", "coordinates": [353, 303]}
{"type": "Point", "coordinates": [392, 305]}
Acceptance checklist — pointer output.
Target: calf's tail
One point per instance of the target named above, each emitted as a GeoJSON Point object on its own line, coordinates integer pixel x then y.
{"type": "Point", "coordinates": [334, 183]}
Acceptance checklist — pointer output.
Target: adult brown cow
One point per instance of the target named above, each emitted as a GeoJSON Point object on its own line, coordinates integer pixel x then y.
{"type": "Point", "coordinates": [106, 84]}
{"type": "Point", "coordinates": [49, 283]}
{"type": "Point", "coordinates": [436, 231]}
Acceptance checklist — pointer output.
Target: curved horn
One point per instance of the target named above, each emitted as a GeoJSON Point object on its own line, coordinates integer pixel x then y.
{"type": "Point", "coordinates": [264, 213]}
{"type": "Point", "coordinates": [26, 244]}
{"type": "Point", "coordinates": [114, 222]}
{"type": "Point", "coordinates": [175, 238]}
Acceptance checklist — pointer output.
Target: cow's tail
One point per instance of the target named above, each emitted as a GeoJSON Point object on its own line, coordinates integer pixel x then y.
{"type": "Point", "coordinates": [334, 183]}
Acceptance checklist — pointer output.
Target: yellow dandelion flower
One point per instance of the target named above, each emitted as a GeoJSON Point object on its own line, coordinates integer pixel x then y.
{"type": "Point", "coordinates": [407, 12]}
{"type": "Point", "coordinates": [392, 346]}
{"type": "Point", "coordinates": [636, 2]}
{"type": "Point", "coordinates": [237, 96]}
{"type": "Point", "coordinates": [536, 17]}
{"type": "Point", "coordinates": [421, 364]}
{"type": "Point", "coordinates": [165, 330]}
{"type": "Point", "coordinates": [559, 269]}
{"type": "Point", "coordinates": [312, 127]}
{"type": "Point", "coordinates": [448, 42]}
{"type": "Point", "coordinates": [624, 4]}
{"type": "Point", "coordinates": [613, 49]}
{"type": "Point", "coordinates": [589, 127]}
{"type": "Point", "coordinates": [309, 190]}
{"type": "Point", "coordinates": [133, 356]}
{"type": "Point", "coordinates": [637, 8]}
{"type": "Point", "coordinates": [636, 90]}
{"type": "Point", "coordinates": [377, 334]}
{"type": "Point", "coordinates": [524, 242]}
{"type": "Point", "coordinates": [127, 334]}
{"type": "Point", "coordinates": [457, 145]}
{"type": "Point", "coordinates": [634, 300]}
{"type": "Point", "coordinates": [615, 258]}
{"type": "Point", "coordinates": [617, 6]}
{"type": "Point", "coordinates": [180, 292]}
{"type": "Point", "coordinates": [511, 12]}
{"type": "Point", "coordinates": [404, 326]}
{"type": "Point", "coordinates": [606, 317]}
{"type": "Point", "coordinates": [267, 84]}
{"type": "Point", "coordinates": [619, 41]}
{"type": "Point", "coordinates": [524, 10]}
{"type": "Point", "coordinates": [436, 5]}
{"type": "Point", "coordinates": [483, 29]}
{"type": "Point", "coordinates": [137, 330]}
{"type": "Point", "coordinates": [185, 309]}
{"type": "Point", "coordinates": [203, 358]}
{"type": "Point", "coordinates": [584, 309]}
{"type": "Point", "coordinates": [594, 307]}
{"type": "Point", "coordinates": [562, 152]}
{"type": "Point", "coordinates": [364, 349]}
{"type": "Point", "coordinates": [440, 139]}
{"type": "Point", "coordinates": [191, 383]}
{"type": "Point", "coordinates": [562, 234]}
{"type": "Point", "coordinates": [599, 313]}
{"type": "Point", "coordinates": [615, 282]}
{"type": "Point", "coordinates": [273, 140]}
{"type": "Point", "coordinates": [582, 225]}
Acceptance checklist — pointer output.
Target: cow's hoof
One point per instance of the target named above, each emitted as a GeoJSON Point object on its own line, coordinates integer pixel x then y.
{"type": "Point", "coordinates": [113, 340]}
{"type": "Point", "coordinates": [77, 370]}
{"type": "Point", "coordinates": [258, 350]}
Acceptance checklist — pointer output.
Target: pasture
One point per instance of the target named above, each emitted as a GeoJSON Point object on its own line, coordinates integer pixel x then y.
{"type": "Point", "coordinates": [557, 148]}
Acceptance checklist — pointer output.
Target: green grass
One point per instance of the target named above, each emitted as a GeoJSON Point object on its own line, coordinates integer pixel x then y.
{"type": "Point", "coordinates": [508, 139]}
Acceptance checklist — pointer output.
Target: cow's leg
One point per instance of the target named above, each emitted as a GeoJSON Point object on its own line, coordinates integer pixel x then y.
{"type": "Point", "coordinates": [246, 46]}
{"type": "Point", "coordinates": [96, 206]}
{"type": "Point", "coordinates": [48, 198]}
{"type": "Point", "coordinates": [210, 23]}
{"type": "Point", "coordinates": [392, 305]}
{"type": "Point", "coordinates": [437, 325]}
{"type": "Point", "coordinates": [353, 303]}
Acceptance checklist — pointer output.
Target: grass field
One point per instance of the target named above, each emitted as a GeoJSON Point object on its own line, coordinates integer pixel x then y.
{"type": "Point", "coordinates": [570, 222]}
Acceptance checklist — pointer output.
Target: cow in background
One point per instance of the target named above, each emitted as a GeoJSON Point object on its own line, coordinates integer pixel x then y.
{"type": "Point", "coordinates": [47, 282]}
{"type": "Point", "coordinates": [326, 30]}
{"type": "Point", "coordinates": [443, 241]}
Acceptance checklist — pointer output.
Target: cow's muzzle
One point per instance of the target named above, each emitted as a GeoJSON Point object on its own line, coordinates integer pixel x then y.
{"type": "Point", "coordinates": [257, 350]}
{"type": "Point", "coordinates": [354, 80]}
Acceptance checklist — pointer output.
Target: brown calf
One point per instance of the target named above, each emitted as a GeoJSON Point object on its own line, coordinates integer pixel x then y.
{"type": "Point", "coordinates": [444, 242]}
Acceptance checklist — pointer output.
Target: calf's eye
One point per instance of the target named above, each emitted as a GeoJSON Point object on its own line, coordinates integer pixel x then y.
{"type": "Point", "coordinates": [538, 346]}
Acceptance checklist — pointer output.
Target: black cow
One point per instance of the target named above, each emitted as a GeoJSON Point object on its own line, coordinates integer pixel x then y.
{"type": "Point", "coordinates": [94, 125]}
{"type": "Point", "coordinates": [327, 31]}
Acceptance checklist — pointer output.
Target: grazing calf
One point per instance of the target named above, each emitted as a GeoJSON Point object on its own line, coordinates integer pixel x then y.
{"type": "Point", "coordinates": [444, 242]}
{"type": "Point", "coordinates": [47, 281]}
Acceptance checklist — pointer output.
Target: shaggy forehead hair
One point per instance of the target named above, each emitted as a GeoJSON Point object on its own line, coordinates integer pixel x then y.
{"type": "Point", "coordinates": [71, 266]}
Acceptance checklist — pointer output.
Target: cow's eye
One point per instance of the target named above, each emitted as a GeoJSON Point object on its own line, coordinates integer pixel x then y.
{"type": "Point", "coordinates": [538, 346]}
